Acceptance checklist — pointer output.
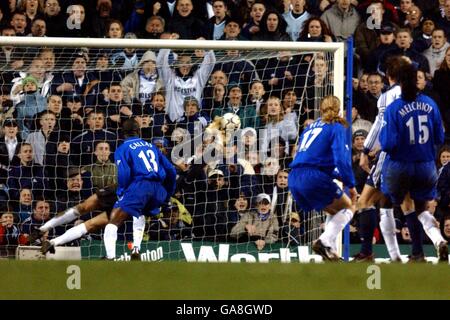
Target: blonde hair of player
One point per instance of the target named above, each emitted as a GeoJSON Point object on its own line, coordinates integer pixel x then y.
{"type": "Point", "coordinates": [330, 108]}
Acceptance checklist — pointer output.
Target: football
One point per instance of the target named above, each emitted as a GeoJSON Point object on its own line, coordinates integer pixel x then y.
{"type": "Point", "coordinates": [230, 121]}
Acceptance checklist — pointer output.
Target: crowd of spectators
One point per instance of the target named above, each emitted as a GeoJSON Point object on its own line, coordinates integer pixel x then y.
{"type": "Point", "coordinates": [61, 109]}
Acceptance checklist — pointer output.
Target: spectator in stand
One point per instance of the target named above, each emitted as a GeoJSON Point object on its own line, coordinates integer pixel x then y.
{"type": "Point", "coordinates": [259, 226]}
{"type": "Point", "coordinates": [280, 204]}
{"type": "Point", "coordinates": [232, 31]}
{"type": "Point", "coordinates": [72, 116]}
{"type": "Point", "coordinates": [192, 117]}
{"type": "Point", "coordinates": [403, 40]}
{"type": "Point", "coordinates": [315, 30]}
{"type": "Point", "coordinates": [101, 20]}
{"type": "Point", "coordinates": [57, 161]}
{"type": "Point", "coordinates": [366, 34]}
{"type": "Point", "coordinates": [36, 70]}
{"type": "Point", "coordinates": [444, 20]}
{"type": "Point", "coordinates": [441, 83]}
{"type": "Point", "coordinates": [76, 189]}
{"type": "Point", "coordinates": [103, 171]}
{"type": "Point", "coordinates": [24, 208]}
{"type": "Point", "coordinates": [246, 113]}
{"type": "Point", "coordinates": [11, 58]}
{"type": "Point", "coordinates": [256, 95]}
{"type": "Point", "coordinates": [25, 174]}
{"type": "Point", "coordinates": [33, 103]}
{"type": "Point", "coordinates": [238, 69]}
{"type": "Point", "coordinates": [38, 139]}
{"type": "Point", "coordinates": [75, 81]}
{"type": "Point", "coordinates": [186, 79]}
{"type": "Point", "coordinates": [342, 19]}
{"type": "Point", "coordinates": [38, 29]}
{"type": "Point", "coordinates": [10, 235]}
{"type": "Point", "coordinates": [142, 83]}
{"type": "Point", "coordinates": [33, 10]}
{"type": "Point", "coordinates": [9, 143]}
{"type": "Point", "coordinates": [272, 27]}
{"type": "Point", "coordinates": [436, 53]}
{"type": "Point", "coordinates": [386, 44]}
{"type": "Point", "coordinates": [216, 25]}
{"type": "Point", "coordinates": [19, 23]}
{"type": "Point", "coordinates": [169, 226]}
{"type": "Point", "coordinates": [82, 145]}
{"type": "Point", "coordinates": [358, 122]}
{"type": "Point", "coordinates": [422, 41]}
{"type": "Point", "coordinates": [358, 138]}
{"type": "Point", "coordinates": [237, 209]}
{"type": "Point", "coordinates": [277, 125]}
{"type": "Point", "coordinates": [253, 25]}
{"type": "Point", "coordinates": [295, 18]}
{"type": "Point", "coordinates": [413, 21]}
{"type": "Point", "coordinates": [405, 7]}
{"type": "Point", "coordinates": [154, 28]}
{"type": "Point", "coordinates": [41, 213]}
{"type": "Point", "coordinates": [280, 73]}
{"type": "Point", "coordinates": [291, 233]}
{"type": "Point", "coordinates": [426, 87]}
{"type": "Point", "coordinates": [446, 228]}
{"type": "Point", "coordinates": [368, 109]}
{"type": "Point", "coordinates": [114, 107]}
{"type": "Point", "coordinates": [185, 23]}
{"type": "Point", "coordinates": [54, 18]}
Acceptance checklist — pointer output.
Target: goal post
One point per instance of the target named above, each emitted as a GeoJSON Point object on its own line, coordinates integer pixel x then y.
{"type": "Point", "coordinates": [84, 156]}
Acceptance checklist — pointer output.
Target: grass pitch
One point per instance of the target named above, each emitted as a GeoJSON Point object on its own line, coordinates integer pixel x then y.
{"type": "Point", "coordinates": [181, 280]}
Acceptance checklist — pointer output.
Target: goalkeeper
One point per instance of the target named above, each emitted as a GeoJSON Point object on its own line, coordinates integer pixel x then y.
{"type": "Point", "coordinates": [103, 200]}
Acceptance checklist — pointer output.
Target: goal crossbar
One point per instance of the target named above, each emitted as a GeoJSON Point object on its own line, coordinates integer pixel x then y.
{"type": "Point", "coordinates": [337, 48]}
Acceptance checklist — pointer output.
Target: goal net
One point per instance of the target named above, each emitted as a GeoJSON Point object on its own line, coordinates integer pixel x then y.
{"type": "Point", "coordinates": [227, 115]}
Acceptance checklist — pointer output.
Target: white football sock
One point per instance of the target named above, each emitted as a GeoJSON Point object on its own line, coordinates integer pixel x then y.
{"type": "Point", "coordinates": [71, 234]}
{"type": "Point", "coordinates": [430, 226]}
{"type": "Point", "coordinates": [387, 226]}
{"type": "Point", "coordinates": [333, 243]}
{"type": "Point", "coordinates": [138, 231]}
{"type": "Point", "coordinates": [335, 225]}
{"type": "Point", "coordinates": [68, 216]}
{"type": "Point", "coordinates": [110, 238]}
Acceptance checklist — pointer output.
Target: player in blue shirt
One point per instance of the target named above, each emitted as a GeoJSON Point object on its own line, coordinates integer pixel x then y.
{"type": "Point", "coordinates": [146, 179]}
{"type": "Point", "coordinates": [411, 133]}
{"type": "Point", "coordinates": [322, 148]}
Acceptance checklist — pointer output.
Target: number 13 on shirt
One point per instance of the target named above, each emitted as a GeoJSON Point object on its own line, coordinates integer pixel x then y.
{"type": "Point", "coordinates": [149, 160]}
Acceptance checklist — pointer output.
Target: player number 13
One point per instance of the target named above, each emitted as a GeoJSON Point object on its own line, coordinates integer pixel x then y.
{"type": "Point", "coordinates": [149, 160]}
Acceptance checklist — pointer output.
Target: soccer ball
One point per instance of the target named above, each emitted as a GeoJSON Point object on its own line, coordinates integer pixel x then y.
{"type": "Point", "coordinates": [230, 121]}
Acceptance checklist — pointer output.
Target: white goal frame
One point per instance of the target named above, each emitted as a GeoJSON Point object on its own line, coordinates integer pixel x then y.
{"type": "Point", "coordinates": [336, 48]}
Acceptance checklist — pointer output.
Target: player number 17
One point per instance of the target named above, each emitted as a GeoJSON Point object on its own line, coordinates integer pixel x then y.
{"type": "Point", "coordinates": [309, 137]}
{"type": "Point", "coordinates": [149, 160]}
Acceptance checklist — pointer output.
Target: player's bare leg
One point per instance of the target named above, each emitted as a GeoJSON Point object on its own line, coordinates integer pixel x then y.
{"type": "Point", "coordinates": [118, 216]}
{"type": "Point", "coordinates": [342, 212]}
{"type": "Point", "coordinates": [66, 216]}
{"type": "Point", "coordinates": [76, 232]}
{"type": "Point", "coordinates": [430, 225]}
